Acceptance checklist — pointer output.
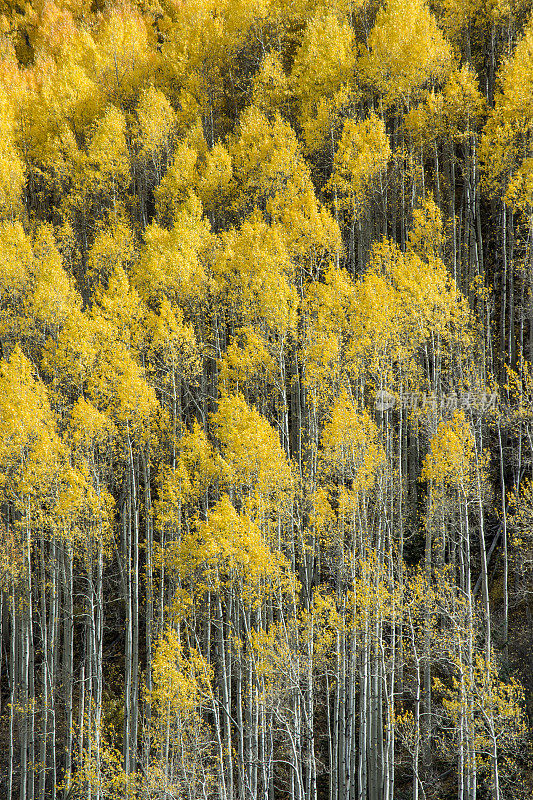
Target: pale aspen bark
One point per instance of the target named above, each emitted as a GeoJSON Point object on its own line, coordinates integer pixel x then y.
{"type": "Point", "coordinates": [128, 653]}
{"type": "Point", "coordinates": [483, 557]}
{"type": "Point", "coordinates": [14, 635]}
{"type": "Point", "coordinates": [43, 736]}
{"type": "Point", "coordinates": [505, 552]}
{"type": "Point", "coordinates": [133, 565]}
{"type": "Point", "coordinates": [461, 772]}
{"type": "Point", "coordinates": [226, 699]}
{"type": "Point", "coordinates": [24, 699]}
{"type": "Point", "coordinates": [68, 661]}
{"type": "Point", "coordinates": [334, 744]}
{"type": "Point", "coordinates": [53, 671]}
{"type": "Point", "coordinates": [364, 681]}
{"type": "Point", "coordinates": [417, 704]}
{"type": "Point", "coordinates": [341, 729]}
{"type": "Point", "coordinates": [351, 691]}
{"type": "Point", "coordinates": [149, 600]}
{"type": "Point", "coordinates": [426, 722]}
{"type": "Point", "coordinates": [81, 714]}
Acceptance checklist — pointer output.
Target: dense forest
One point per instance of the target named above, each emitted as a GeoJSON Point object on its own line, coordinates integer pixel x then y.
{"type": "Point", "coordinates": [266, 399]}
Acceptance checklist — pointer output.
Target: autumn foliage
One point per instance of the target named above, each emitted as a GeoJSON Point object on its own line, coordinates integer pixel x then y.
{"type": "Point", "coordinates": [266, 401]}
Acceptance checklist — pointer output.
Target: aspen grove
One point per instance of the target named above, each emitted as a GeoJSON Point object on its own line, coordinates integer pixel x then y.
{"type": "Point", "coordinates": [266, 399]}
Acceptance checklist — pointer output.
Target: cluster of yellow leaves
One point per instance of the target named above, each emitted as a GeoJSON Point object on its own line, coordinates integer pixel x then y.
{"type": "Point", "coordinates": [95, 352]}
{"type": "Point", "coordinates": [199, 467]}
{"type": "Point", "coordinates": [520, 521]}
{"type": "Point", "coordinates": [36, 291]}
{"type": "Point", "coordinates": [361, 158]}
{"type": "Point", "coordinates": [180, 683]}
{"type": "Point", "coordinates": [375, 326]}
{"type": "Point", "coordinates": [330, 43]}
{"type": "Point", "coordinates": [329, 309]}
{"type": "Point", "coordinates": [493, 707]}
{"type": "Point", "coordinates": [12, 169]}
{"type": "Point", "coordinates": [266, 159]}
{"type": "Point", "coordinates": [284, 655]}
{"type": "Point", "coordinates": [455, 112]}
{"type": "Point", "coordinates": [451, 453]}
{"type": "Point", "coordinates": [459, 15]}
{"type": "Point", "coordinates": [245, 361]}
{"type": "Point", "coordinates": [170, 264]}
{"type": "Point", "coordinates": [350, 444]}
{"type": "Point", "coordinates": [406, 51]}
{"type": "Point", "coordinates": [229, 548]}
{"type": "Point", "coordinates": [505, 151]}
{"type": "Point", "coordinates": [252, 271]}
{"type": "Point", "coordinates": [30, 451]}
{"type": "Point", "coordinates": [251, 449]}
{"type": "Point", "coordinates": [36, 475]}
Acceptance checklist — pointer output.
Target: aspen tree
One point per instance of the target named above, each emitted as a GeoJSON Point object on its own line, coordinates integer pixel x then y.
{"type": "Point", "coordinates": [505, 156]}
{"type": "Point", "coordinates": [329, 42]}
{"type": "Point", "coordinates": [245, 362]}
{"type": "Point", "coordinates": [266, 157]}
{"type": "Point", "coordinates": [181, 692]}
{"type": "Point", "coordinates": [108, 157]}
{"type": "Point", "coordinates": [406, 51]}
{"type": "Point", "coordinates": [170, 263]}
{"type": "Point", "coordinates": [89, 436]}
{"type": "Point", "coordinates": [12, 168]}
{"type": "Point", "coordinates": [450, 460]}
{"type": "Point", "coordinates": [123, 56]}
{"type": "Point", "coordinates": [446, 124]}
{"type": "Point", "coordinates": [270, 91]}
{"type": "Point", "coordinates": [213, 182]}
{"type": "Point", "coordinates": [16, 267]}
{"type": "Point", "coordinates": [358, 168]}
{"type": "Point", "coordinates": [253, 273]}
{"type": "Point", "coordinates": [31, 457]}
{"type": "Point", "coordinates": [156, 125]}
{"type": "Point", "coordinates": [311, 234]}
{"type": "Point", "coordinates": [175, 187]}
{"type": "Point", "coordinates": [54, 296]}
{"type": "Point", "coordinates": [113, 246]}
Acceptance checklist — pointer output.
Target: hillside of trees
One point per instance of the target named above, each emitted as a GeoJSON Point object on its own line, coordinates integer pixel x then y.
{"type": "Point", "coordinates": [266, 400]}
